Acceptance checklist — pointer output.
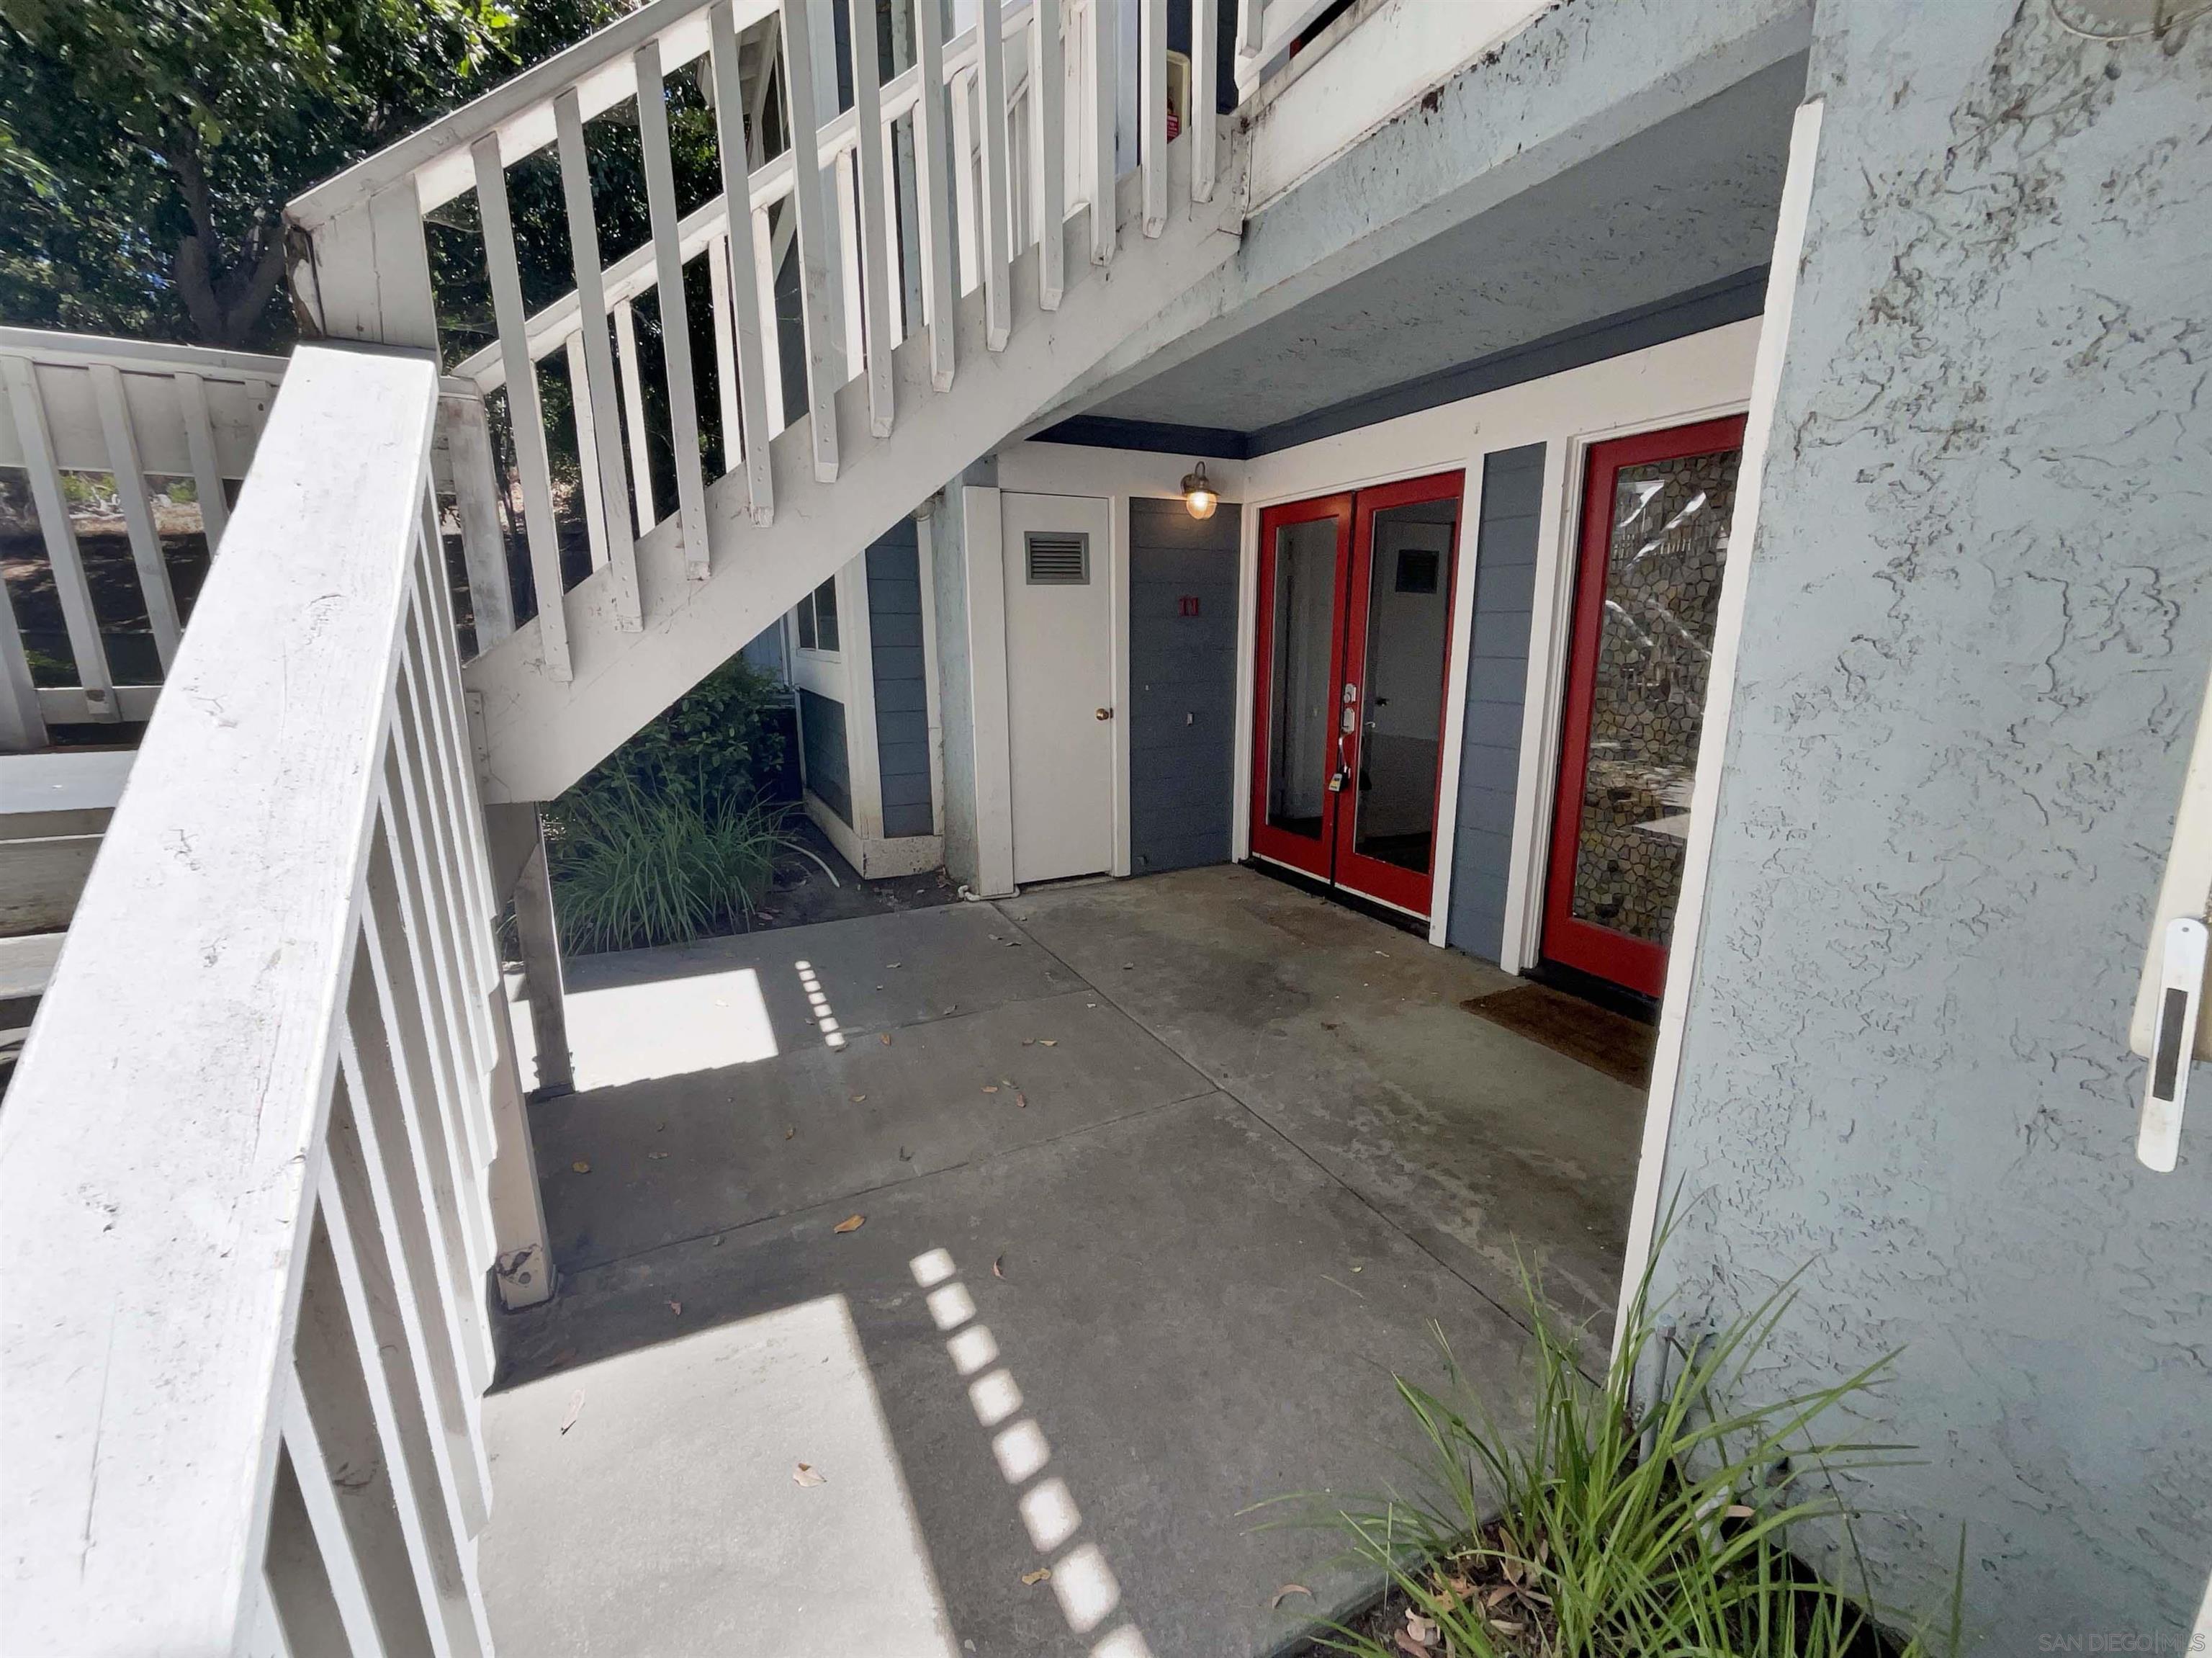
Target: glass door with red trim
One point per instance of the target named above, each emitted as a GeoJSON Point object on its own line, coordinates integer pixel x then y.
{"type": "Point", "coordinates": [1647, 595]}
{"type": "Point", "coordinates": [1354, 641]}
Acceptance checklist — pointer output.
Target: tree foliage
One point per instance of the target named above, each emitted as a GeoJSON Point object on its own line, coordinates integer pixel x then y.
{"type": "Point", "coordinates": [147, 147]}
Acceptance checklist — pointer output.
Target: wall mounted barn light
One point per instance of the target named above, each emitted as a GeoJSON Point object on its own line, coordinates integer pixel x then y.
{"type": "Point", "coordinates": [1199, 494]}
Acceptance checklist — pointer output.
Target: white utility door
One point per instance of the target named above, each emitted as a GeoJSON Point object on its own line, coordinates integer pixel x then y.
{"type": "Point", "coordinates": [1060, 683]}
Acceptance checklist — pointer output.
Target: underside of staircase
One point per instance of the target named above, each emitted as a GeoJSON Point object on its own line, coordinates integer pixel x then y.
{"type": "Point", "coordinates": [542, 732]}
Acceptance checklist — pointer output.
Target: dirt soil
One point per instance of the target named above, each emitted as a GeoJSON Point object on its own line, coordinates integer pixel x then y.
{"type": "Point", "coordinates": [804, 895]}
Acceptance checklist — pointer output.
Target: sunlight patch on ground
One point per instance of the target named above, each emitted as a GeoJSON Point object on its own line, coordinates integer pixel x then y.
{"type": "Point", "coordinates": [665, 1517]}
{"type": "Point", "coordinates": [1085, 1585]}
{"type": "Point", "coordinates": [664, 1028]}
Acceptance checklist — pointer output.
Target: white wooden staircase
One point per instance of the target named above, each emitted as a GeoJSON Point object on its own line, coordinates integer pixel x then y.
{"type": "Point", "coordinates": [923, 351]}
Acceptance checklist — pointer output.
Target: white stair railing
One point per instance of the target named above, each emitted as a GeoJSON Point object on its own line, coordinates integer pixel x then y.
{"type": "Point", "coordinates": [1027, 96]}
{"type": "Point", "coordinates": [265, 1142]}
{"type": "Point", "coordinates": [78, 408]}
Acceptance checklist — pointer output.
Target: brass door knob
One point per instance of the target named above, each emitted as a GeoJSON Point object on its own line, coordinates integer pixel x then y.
{"type": "Point", "coordinates": [1104, 714]}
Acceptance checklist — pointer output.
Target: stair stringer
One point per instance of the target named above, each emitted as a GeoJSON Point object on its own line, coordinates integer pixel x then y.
{"type": "Point", "coordinates": [539, 733]}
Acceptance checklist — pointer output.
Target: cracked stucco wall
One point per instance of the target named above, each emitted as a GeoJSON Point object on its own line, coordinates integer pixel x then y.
{"type": "Point", "coordinates": [1979, 624]}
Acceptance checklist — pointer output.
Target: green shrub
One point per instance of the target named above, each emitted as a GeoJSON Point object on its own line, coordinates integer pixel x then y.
{"type": "Point", "coordinates": [716, 738]}
{"type": "Point", "coordinates": [669, 837]}
{"type": "Point", "coordinates": [1601, 1531]}
{"type": "Point", "coordinates": [633, 868]}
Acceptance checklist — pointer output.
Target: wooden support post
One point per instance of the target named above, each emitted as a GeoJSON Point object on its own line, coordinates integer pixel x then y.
{"type": "Point", "coordinates": [1102, 173]}
{"type": "Point", "coordinates": [937, 233]}
{"type": "Point", "coordinates": [1152, 111]}
{"type": "Point", "coordinates": [824, 351]}
{"type": "Point", "coordinates": [517, 859]}
{"type": "Point", "coordinates": [1200, 119]}
{"type": "Point", "coordinates": [990, 89]}
{"type": "Point", "coordinates": [522, 1261]}
{"type": "Point", "coordinates": [1046, 83]}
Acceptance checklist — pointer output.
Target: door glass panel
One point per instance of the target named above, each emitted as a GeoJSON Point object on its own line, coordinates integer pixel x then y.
{"type": "Point", "coordinates": [1301, 738]}
{"type": "Point", "coordinates": [1662, 588]}
{"type": "Point", "coordinates": [1408, 609]}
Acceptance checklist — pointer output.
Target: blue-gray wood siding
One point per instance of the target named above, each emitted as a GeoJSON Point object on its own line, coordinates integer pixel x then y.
{"type": "Point", "coordinates": [902, 685]}
{"type": "Point", "coordinates": [1183, 685]}
{"type": "Point", "coordinates": [822, 747]}
{"type": "Point", "coordinates": [1497, 672]}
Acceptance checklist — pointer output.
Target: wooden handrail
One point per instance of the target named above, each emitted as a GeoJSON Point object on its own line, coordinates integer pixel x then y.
{"type": "Point", "coordinates": [265, 1077]}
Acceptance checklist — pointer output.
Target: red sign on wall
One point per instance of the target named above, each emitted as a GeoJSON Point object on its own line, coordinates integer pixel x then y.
{"type": "Point", "coordinates": [1187, 605]}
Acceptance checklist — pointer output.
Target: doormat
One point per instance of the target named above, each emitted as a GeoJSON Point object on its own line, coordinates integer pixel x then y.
{"type": "Point", "coordinates": [1597, 1036]}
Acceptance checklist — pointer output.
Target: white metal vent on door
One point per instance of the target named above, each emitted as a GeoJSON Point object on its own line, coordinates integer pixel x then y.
{"type": "Point", "coordinates": [1057, 560]}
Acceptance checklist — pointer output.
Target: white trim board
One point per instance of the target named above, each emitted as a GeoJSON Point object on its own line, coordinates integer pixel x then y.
{"type": "Point", "coordinates": [1033, 468]}
{"type": "Point", "coordinates": [1543, 701]}
{"type": "Point", "coordinates": [1445, 842]}
{"type": "Point", "coordinates": [1119, 554]}
{"type": "Point", "coordinates": [863, 775]}
{"type": "Point", "coordinates": [1682, 962]}
{"type": "Point", "coordinates": [984, 524]}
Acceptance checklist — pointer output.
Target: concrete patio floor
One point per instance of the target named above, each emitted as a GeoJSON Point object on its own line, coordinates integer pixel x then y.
{"type": "Point", "coordinates": [1161, 1181]}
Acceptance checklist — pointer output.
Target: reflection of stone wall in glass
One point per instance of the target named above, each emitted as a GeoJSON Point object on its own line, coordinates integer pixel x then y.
{"type": "Point", "coordinates": [1655, 650]}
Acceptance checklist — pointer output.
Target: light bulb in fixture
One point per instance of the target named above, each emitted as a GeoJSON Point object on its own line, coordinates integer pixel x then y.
{"type": "Point", "coordinates": [1198, 493]}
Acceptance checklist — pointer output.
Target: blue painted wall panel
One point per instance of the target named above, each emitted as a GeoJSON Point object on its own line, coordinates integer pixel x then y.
{"type": "Point", "coordinates": [822, 748]}
{"type": "Point", "coordinates": [1498, 669]}
{"type": "Point", "coordinates": [1183, 685]}
{"type": "Point", "coordinates": [902, 692]}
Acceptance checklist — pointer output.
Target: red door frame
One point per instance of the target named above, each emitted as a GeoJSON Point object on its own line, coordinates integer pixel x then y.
{"type": "Point", "coordinates": [1407, 889]}
{"type": "Point", "coordinates": [1636, 963]}
{"type": "Point", "coordinates": [1333, 858]}
{"type": "Point", "coordinates": [1312, 858]}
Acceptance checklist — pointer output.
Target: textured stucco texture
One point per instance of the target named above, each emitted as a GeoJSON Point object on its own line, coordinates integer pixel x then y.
{"type": "Point", "coordinates": [1977, 637]}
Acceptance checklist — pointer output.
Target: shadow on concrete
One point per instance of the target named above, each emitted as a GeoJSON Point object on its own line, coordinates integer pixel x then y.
{"type": "Point", "coordinates": [1103, 1306]}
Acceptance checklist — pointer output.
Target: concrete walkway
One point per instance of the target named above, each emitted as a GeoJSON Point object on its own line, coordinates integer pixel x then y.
{"type": "Point", "coordinates": [1161, 1181]}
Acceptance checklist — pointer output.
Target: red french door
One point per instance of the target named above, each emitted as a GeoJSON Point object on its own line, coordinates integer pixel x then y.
{"type": "Point", "coordinates": [1305, 555]}
{"type": "Point", "coordinates": [1354, 639]}
{"type": "Point", "coordinates": [1647, 592]}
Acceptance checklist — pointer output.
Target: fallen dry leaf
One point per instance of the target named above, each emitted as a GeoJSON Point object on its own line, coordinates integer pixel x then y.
{"type": "Point", "coordinates": [1286, 1591]}
{"type": "Point", "coordinates": [857, 1098]}
{"type": "Point", "coordinates": [676, 1307]}
{"type": "Point", "coordinates": [1029, 1041]}
{"type": "Point", "coordinates": [998, 1266]}
{"type": "Point", "coordinates": [1412, 1648]}
{"type": "Point", "coordinates": [804, 1474]}
{"type": "Point", "coordinates": [1737, 1511]}
{"type": "Point", "coordinates": [1041, 1575]}
{"type": "Point", "coordinates": [1421, 1629]}
{"type": "Point", "coordinates": [581, 1166]}
{"type": "Point", "coordinates": [886, 1039]}
{"type": "Point", "coordinates": [788, 1132]}
{"type": "Point", "coordinates": [1021, 1099]}
{"type": "Point", "coordinates": [850, 1223]}
{"type": "Point", "coordinates": [990, 1088]}
{"type": "Point", "coordinates": [575, 1410]}
{"type": "Point", "coordinates": [1050, 1041]}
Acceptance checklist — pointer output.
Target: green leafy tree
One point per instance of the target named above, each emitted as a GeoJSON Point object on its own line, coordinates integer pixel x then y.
{"type": "Point", "coordinates": [147, 147]}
